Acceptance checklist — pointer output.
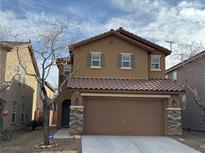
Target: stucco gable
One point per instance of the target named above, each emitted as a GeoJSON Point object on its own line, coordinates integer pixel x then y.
{"type": "Point", "coordinates": [107, 34]}
{"type": "Point", "coordinates": [126, 36]}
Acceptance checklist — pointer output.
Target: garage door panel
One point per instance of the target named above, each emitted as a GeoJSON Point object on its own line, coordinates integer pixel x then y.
{"type": "Point", "coordinates": [145, 118]}
{"type": "Point", "coordinates": [99, 116]}
{"type": "Point", "coordinates": [123, 116]}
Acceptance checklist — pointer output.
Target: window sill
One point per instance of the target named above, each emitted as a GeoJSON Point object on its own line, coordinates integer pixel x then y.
{"type": "Point", "coordinates": [97, 67]}
{"type": "Point", "coordinates": [155, 70]}
{"type": "Point", "coordinates": [126, 68]}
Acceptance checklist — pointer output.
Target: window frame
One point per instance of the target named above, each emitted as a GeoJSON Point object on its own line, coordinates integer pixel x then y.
{"type": "Point", "coordinates": [151, 63]}
{"type": "Point", "coordinates": [64, 68]}
{"type": "Point", "coordinates": [126, 61]}
{"type": "Point", "coordinates": [174, 75]}
{"type": "Point", "coordinates": [96, 60]}
{"type": "Point", "coordinates": [22, 117]}
{"type": "Point", "coordinates": [13, 113]}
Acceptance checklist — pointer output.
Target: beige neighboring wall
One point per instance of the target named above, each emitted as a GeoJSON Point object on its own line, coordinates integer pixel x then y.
{"type": "Point", "coordinates": [111, 47]}
{"type": "Point", "coordinates": [39, 104]}
{"type": "Point", "coordinates": [3, 55]}
{"type": "Point", "coordinates": [12, 65]}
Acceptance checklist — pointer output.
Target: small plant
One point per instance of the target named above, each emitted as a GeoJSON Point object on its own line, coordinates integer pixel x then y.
{"type": "Point", "coordinates": [5, 135]}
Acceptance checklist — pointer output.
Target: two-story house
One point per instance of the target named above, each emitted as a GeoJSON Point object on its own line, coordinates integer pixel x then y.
{"type": "Point", "coordinates": [116, 85]}
{"type": "Point", "coordinates": [21, 92]}
{"type": "Point", "coordinates": [191, 72]}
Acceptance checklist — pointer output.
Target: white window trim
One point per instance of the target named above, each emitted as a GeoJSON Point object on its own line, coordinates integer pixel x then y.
{"type": "Point", "coordinates": [96, 53]}
{"type": "Point", "coordinates": [99, 67]}
{"type": "Point", "coordinates": [174, 73]}
{"type": "Point", "coordinates": [93, 52]}
{"type": "Point", "coordinates": [64, 68]}
{"type": "Point", "coordinates": [130, 61]}
{"type": "Point", "coordinates": [154, 69]}
{"type": "Point", "coordinates": [13, 122]}
{"type": "Point", "coordinates": [126, 68]}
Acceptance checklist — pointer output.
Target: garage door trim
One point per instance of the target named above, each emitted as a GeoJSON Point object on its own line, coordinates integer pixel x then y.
{"type": "Point", "coordinates": [125, 95]}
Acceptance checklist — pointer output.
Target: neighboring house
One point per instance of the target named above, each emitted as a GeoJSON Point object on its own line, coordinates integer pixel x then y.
{"type": "Point", "coordinates": [116, 85]}
{"type": "Point", "coordinates": [192, 70]}
{"type": "Point", "coordinates": [22, 94]}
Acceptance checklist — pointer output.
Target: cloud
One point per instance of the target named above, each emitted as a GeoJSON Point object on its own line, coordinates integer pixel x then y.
{"type": "Point", "coordinates": [155, 20]}
{"type": "Point", "coordinates": [184, 21]}
{"type": "Point", "coordinates": [30, 27]}
{"type": "Point", "coordinates": [131, 6]}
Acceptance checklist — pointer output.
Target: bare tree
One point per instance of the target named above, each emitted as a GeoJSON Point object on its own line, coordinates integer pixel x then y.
{"type": "Point", "coordinates": [51, 40]}
{"type": "Point", "coordinates": [186, 52]}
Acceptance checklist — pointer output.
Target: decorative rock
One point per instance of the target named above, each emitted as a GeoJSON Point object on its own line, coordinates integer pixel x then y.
{"type": "Point", "coordinates": [76, 120]}
{"type": "Point", "coordinates": [174, 122]}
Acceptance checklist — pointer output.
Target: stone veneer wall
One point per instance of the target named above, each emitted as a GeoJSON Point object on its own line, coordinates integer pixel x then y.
{"type": "Point", "coordinates": [76, 120]}
{"type": "Point", "coordinates": [174, 121]}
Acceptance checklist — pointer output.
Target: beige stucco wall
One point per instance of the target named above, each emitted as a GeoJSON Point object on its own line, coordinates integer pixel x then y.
{"type": "Point", "coordinates": [76, 95]}
{"type": "Point", "coordinates": [39, 104]}
{"type": "Point", "coordinates": [111, 47]}
{"type": "Point", "coordinates": [20, 92]}
{"type": "Point", "coordinates": [3, 53]}
{"type": "Point", "coordinates": [158, 74]}
{"type": "Point", "coordinates": [21, 95]}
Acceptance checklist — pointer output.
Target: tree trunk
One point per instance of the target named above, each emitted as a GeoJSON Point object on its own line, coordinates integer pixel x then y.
{"type": "Point", "coordinates": [45, 123]}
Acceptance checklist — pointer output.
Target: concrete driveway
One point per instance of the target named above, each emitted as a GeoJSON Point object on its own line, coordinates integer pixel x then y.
{"type": "Point", "coordinates": [133, 144]}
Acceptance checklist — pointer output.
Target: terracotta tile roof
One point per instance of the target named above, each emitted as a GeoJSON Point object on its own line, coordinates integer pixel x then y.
{"type": "Point", "coordinates": [63, 60]}
{"type": "Point", "coordinates": [123, 84]}
{"type": "Point", "coordinates": [125, 35]}
{"type": "Point", "coordinates": [13, 43]}
{"type": "Point", "coordinates": [4, 84]}
{"type": "Point", "coordinates": [142, 40]}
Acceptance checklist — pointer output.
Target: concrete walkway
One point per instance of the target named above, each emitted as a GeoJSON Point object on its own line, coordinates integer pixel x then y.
{"type": "Point", "coordinates": [133, 144]}
{"type": "Point", "coordinates": [62, 134]}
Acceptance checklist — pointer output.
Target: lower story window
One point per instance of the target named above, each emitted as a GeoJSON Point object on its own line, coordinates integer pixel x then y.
{"type": "Point", "coordinates": [22, 117]}
{"type": "Point", "coordinates": [13, 118]}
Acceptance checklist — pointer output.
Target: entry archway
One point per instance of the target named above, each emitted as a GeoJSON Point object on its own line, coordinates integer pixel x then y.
{"type": "Point", "coordinates": [65, 113]}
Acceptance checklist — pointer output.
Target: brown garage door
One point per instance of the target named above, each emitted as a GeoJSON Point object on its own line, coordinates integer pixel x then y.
{"type": "Point", "coordinates": [123, 116]}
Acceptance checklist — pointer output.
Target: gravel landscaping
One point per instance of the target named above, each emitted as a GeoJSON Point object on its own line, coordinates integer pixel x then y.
{"type": "Point", "coordinates": [193, 139]}
{"type": "Point", "coordinates": [26, 142]}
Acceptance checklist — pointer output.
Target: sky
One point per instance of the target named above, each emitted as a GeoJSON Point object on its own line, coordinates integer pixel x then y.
{"type": "Point", "coordinates": [156, 20]}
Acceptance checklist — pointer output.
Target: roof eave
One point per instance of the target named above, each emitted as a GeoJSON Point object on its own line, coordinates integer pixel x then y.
{"type": "Point", "coordinates": [177, 66]}
{"type": "Point", "coordinates": [132, 91]}
{"type": "Point", "coordinates": [166, 51]}
{"type": "Point", "coordinates": [112, 32]}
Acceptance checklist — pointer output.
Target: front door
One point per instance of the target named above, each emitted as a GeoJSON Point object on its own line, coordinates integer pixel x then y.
{"type": "Point", "coordinates": [65, 113]}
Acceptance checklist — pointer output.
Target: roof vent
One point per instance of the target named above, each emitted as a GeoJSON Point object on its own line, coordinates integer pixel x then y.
{"type": "Point", "coordinates": [111, 30]}
{"type": "Point", "coordinates": [120, 28]}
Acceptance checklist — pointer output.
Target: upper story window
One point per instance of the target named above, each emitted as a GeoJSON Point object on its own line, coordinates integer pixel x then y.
{"type": "Point", "coordinates": [95, 60]}
{"type": "Point", "coordinates": [126, 60]}
{"type": "Point", "coordinates": [174, 75]}
{"type": "Point", "coordinates": [155, 62]}
{"type": "Point", "coordinates": [67, 70]}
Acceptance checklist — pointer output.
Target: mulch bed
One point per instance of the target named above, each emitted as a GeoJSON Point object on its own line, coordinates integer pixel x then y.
{"type": "Point", "coordinates": [27, 142]}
